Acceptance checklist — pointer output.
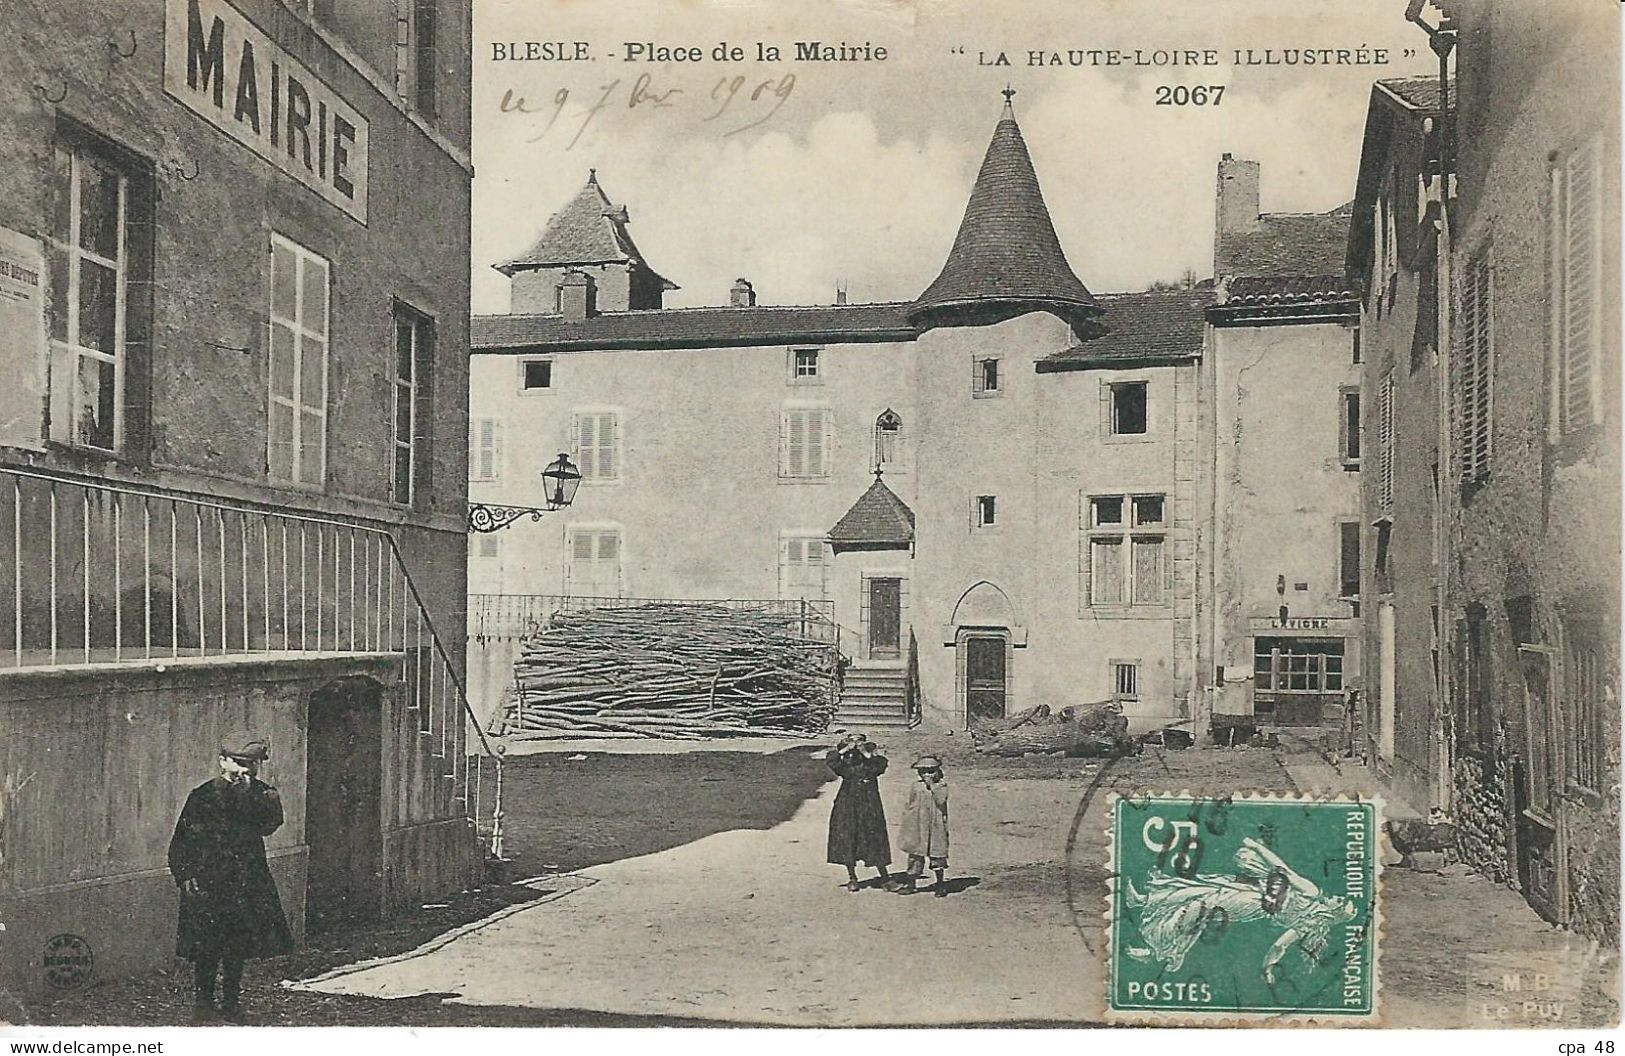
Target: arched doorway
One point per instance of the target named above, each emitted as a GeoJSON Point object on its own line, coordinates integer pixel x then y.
{"type": "Point", "coordinates": [344, 803]}
{"type": "Point", "coordinates": [986, 628]}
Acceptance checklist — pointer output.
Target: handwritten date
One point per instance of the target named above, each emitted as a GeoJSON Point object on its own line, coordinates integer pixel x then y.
{"type": "Point", "coordinates": [735, 97]}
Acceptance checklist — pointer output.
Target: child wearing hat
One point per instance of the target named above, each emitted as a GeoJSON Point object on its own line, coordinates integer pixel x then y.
{"type": "Point", "coordinates": [924, 834]}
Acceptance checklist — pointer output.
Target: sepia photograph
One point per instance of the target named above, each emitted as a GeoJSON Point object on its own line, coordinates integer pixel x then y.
{"type": "Point", "coordinates": [827, 514]}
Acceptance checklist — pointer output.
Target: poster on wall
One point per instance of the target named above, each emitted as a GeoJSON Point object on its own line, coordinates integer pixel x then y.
{"type": "Point", "coordinates": [22, 339]}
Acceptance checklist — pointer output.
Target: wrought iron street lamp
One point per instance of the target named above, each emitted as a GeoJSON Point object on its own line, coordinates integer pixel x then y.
{"type": "Point", "coordinates": [560, 478]}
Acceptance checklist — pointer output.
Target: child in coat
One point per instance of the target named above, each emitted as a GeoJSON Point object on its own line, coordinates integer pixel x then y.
{"type": "Point", "coordinates": [924, 834]}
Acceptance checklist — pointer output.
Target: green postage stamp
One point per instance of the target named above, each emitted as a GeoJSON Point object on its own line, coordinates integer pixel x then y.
{"type": "Point", "coordinates": [1243, 909]}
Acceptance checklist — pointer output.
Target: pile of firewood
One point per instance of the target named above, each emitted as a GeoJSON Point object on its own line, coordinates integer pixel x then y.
{"type": "Point", "coordinates": [1084, 729]}
{"type": "Point", "coordinates": [682, 670]}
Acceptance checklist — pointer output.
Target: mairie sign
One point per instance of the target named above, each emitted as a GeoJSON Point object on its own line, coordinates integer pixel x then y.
{"type": "Point", "coordinates": [233, 76]}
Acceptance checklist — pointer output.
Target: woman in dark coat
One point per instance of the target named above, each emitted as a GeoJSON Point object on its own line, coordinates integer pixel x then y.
{"type": "Point", "coordinates": [857, 825]}
{"type": "Point", "coordinates": [230, 911]}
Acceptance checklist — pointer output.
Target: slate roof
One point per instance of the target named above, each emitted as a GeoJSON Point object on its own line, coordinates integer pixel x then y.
{"type": "Point", "coordinates": [1395, 103]}
{"type": "Point", "coordinates": [711, 327]}
{"type": "Point", "coordinates": [1157, 326]}
{"type": "Point", "coordinates": [1006, 257]}
{"type": "Point", "coordinates": [1283, 244]}
{"type": "Point", "coordinates": [878, 519]}
{"type": "Point", "coordinates": [1418, 93]}
{"type": "Point", "coordinates": [1291, 288]}
{"type": "Point", "coordinates": [588, 230]}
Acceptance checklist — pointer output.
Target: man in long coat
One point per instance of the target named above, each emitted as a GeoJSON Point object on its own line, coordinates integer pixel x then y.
{"type": "Point", "coordinates": [857, 824]}
{"type": "Point", "coordinates": [230, 911]}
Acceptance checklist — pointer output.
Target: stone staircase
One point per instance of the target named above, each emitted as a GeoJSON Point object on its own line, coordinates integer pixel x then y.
{"type": "Point", "coordinates": [874, 697]}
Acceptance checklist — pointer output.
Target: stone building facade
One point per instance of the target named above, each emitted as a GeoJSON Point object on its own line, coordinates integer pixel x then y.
{"type": "Point", "coordinates": [996, 490]}
{"type": "Point", "coordinates": [1392, 256]}
{"type": "Point", "coordinates": [1282, 477]}
{"type": "Point", "coordinates": [234, 249]}
{"type": "Point", "coordinates": [1534, 465]}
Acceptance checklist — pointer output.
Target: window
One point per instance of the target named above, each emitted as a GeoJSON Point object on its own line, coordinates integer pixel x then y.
{"type": "Point", "coordinates": [485, 449]}
{"type": "Point", "coordinates": [1125, 562]}
{"type": "Point", "coordinates": [414, 352]}
{"type": "Point", "coordinates": [1380, 571]}
{"type": "Point", "coordinates": [597, 436]}
{"type": "Point", "coordinates": [1128, 408]}
{"type": "Point", "coordinates": [1575, 288]}
{"type": "Point", "coordinates": [419, 45]}
{"type": "Point", "coordinates": [1474, 370]}
{"type": "Point", "coordinates": [99, 253]}
{"type": "Point", "coordinates": [888, 440]}
{"type": "Point", "coordinates": [803, 567]}
{"type": "Point", "coordinates": [1298, 665]}
{"type": "Point", "coordinates": [1348, 561]}
{"type": "Point", "coordinates": [804, 442]}
{"type": "Point", "coordinates": [1349, 427]}
{"type": "Point", "coordinates": [299, 304]}
{"type": "Point", "coordinates": [594, 569]}
{"type": "Point", "coordinates": [804, 366]}
{"type": "Point", "coordinates": [985, 376]}
{"type": "Point", "coordinates": [535, 374]}
{"type": "Point", "coordinates": [1385, 443]}
{"type": "Point", "coordinates": [984, 511]}
{"type": "Point", "coordinates": [1125, 681]}
{"type": "Point", "coordinates": [1587, 698]}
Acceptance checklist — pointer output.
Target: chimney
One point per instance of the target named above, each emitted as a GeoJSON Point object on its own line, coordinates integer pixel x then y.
{"type": "Point", "coordinates": [1237, 195]}
{"type": "Point", "coordinates": [742, 295]}
{"type": "Point", "coordinates": [577, 295]}
{"type": "Point", "coordinates": [840, 295]}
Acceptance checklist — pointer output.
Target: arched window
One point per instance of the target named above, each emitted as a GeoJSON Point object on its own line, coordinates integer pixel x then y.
{"type": "Point", "coordinates": [888, 434]}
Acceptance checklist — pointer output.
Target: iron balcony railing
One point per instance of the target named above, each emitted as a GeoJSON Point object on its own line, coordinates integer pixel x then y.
{"type": "Point", "coordinates": [493, 616]}
{"type": "Point", "coordinates": [118, 573]}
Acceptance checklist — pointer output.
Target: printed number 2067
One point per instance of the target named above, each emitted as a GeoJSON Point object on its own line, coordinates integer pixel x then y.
{"type": "Point", "coordinates": [1186, 95]}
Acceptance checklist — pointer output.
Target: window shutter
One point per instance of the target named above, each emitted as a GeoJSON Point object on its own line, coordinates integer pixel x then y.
{"type": "Point", "coordinates": [812, 424]}
{"type": "Point", "coordinates": [1581, 303]}
{"type": "Point", "coordinates": [825, 420]}
{"type": "Point", "coordinates": [578, 450]}
{"type": "Point", "coordinates": [797, 462]}
{"type": "Point", "coordinates": [1147, 557]}
{"type": "Point", "coordinates": [1385, 442]}
{"type": "Point", "coordinates": [976, 375]}
{"type": "Point", "coordinates": [1107, 559]}
{"type": "Point", "coordinates": [1474, 372]}
{"type": "Point", "coordinates": [609, 446]}
{"type": "Point", "coordinates": [607, 574]}
{"type": "Point", "coordinates": [1083, 573]}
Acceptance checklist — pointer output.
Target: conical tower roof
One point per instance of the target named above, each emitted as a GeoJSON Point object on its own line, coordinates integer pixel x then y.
{"type": "Point", "coordinates": [1006, 258]}
{"type": "Point", "coordinates": [588, 230]}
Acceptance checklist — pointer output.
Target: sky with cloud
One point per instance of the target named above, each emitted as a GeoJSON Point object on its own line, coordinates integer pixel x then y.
{"type": "Point", "coordinates": [802, 176]}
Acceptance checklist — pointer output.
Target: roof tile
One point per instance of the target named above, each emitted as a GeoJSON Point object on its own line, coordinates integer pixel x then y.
{"type": "Point", "coordinates": [1006, 256]}
{"type": "Point", "coordinates": [711, 327]}
{"type": "Point", "coordinates": [1155, 326]}
{"type": "Point", "coordinates": [878, 518]}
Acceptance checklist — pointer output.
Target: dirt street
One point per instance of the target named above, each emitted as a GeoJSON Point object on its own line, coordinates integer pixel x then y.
{"type": "Point", "coordinates": [687, 886]}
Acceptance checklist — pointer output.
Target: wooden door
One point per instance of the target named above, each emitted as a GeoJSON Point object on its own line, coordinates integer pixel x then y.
{"type": "Point", "coordinates": [343, 815]}
{"type": "Point", "coordinates": [885, 617]}
{"type": "Point", "coordinates": [985, 682]}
